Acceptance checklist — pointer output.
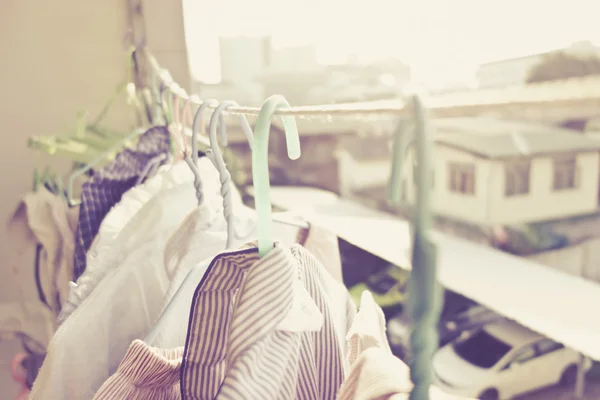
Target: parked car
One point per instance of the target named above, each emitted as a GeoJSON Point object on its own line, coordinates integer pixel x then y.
{"type": "Point", "coordinates": [458, 315]}
{"type": "Point", "coordinates": [387, 287]}
{"type": "Point", "coordinates": [503, 360]}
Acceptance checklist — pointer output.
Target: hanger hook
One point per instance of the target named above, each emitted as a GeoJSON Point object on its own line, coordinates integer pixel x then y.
{"type": "Point", "coordinates": [195, 126]}
{"type": "Point", "coordinates": [192, 159]}
{"type": "Point", "coordinates": [260, 164]}
{"type": "Point", "coordinates": [217, 159]}
{"type": "Point", "coordinates": [401, 140]}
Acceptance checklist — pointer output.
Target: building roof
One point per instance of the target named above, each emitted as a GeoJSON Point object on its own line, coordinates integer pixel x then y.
{"type": "Point", "coordinates": [496, 138]}
{"type": "Point", "coordinates": [373, 148]}
{"type": "Point", "coordinates": [512, 333]}
{"type": "Point", "coordinates": [585, 44]}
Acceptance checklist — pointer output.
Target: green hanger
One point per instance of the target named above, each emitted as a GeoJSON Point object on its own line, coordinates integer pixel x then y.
{"type": "Point", "coordinates": [424, 289]}
{"type": "Point", "coordinates": [400, 145]}
{"type": "Point", "coordinates": [66, 148]}
{"type": "Point", "coordinates": [260, 165]}
{"type": "Point", "coordinates": [102, 157]}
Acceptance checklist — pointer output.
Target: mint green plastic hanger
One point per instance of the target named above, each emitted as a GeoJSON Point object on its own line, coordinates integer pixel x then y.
{"type": "Point", "coordinates": [424, 289]}
{"type": "Point", "coordinates": [401, 140]}
{"type": "Point", "coordinates": [260, 165]}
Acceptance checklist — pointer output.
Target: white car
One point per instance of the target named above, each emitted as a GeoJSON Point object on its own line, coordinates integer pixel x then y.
{"type": "Point", "coordinates": [503, 360]}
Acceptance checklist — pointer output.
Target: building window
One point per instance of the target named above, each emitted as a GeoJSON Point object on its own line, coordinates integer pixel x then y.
{"type": "Point", "coordinates": [461, 178]}
{"type": "Point", "coordinates": [516, 178]}
{"type": "Point", "coordinates": [565, 173]}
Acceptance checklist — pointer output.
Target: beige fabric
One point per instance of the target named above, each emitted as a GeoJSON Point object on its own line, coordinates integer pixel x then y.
{"type": "Point", "coordinates": [376, 374]}
{"type": "Point", "coordinates": [52, 224]}
{"type": "Point", "coordinates": [45, 219]}
{"type": "Point", "coordinates": [324, 246]}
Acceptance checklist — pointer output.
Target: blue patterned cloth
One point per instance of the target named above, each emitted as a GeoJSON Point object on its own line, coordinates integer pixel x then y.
{"type": "Point", "coordinates": [108, 184]}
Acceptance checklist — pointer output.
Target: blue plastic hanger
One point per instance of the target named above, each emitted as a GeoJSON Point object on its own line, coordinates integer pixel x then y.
{"type": "Point", "coordinates": [217, 159]}
{"type": "Point", "coordinates": [260, 165]}
{"type": "Point", "coordinates": [198, 118]}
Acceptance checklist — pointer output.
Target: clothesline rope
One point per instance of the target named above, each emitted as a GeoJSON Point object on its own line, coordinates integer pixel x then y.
{"type": "Point", "coordinates": [443, 105]}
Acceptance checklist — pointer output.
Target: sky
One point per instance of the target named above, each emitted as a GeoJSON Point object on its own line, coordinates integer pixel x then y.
{"type": "Point", "coordinates": [442, 40]}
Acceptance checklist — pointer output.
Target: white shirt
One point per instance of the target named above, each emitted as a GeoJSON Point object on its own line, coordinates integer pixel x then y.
{"type": "Point", "coordinates": [134, 220]}
{"type": "Point", "coordinates": [186, 258]}
{"type": "Point", "coordinates": [89, 345]}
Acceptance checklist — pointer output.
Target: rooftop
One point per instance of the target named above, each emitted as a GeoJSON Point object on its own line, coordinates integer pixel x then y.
{"type": "Point", "coordinates": [512, 333]}
{"type": "Point", "coordinates": [496, 138]}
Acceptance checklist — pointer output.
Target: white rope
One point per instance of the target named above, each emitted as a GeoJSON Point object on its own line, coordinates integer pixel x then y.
{"type": "Point", "coordinates": [569, 91]}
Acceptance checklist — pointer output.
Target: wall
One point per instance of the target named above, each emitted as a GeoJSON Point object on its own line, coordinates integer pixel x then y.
{"type": "Point", "coordinates": [356, 175]}
{"type": "Point", "coordinates": [471, 208]}
{"type": "Point", "coordinates": [543, 203]}
{"type": "Point", "coordinates": [59, 58]}
{"type": "Point", "coordinates": [581, 260]}
{"type": "Point", "coordinates": [489, 205]}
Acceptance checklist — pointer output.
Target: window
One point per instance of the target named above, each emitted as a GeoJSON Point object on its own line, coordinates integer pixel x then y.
{"type": "Point", "coordinates": [523, 356]}
{"type": "Point", "coordinates": [565, 173]}
{"type": "Point", "coordinates": [516, 178]}
{"type": "Point", "coordinates": [547, 346]}
{"type": "Point", "coordinates": [471, 351]}
{"type": "Point", "coordinates": [461, 178]}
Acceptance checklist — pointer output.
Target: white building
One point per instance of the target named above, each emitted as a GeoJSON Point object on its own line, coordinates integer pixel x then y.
{"type": "Point", "coordinates": [243, 59]}
{"type": "Point", "coordinates": [490, 172]}
{"type": "Point", "coordinates": [514, 71]}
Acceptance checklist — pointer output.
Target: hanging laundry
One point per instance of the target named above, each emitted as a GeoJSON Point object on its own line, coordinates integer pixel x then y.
{"type": "Point", "coordinates": [128, 300]}
{"type": "Point", "coordinates": [145, 373]}
{"type": "Point", "coordinates": [184, 260]}
{"type": "Point", "coordinates": [226, 336]}
{"type": "Point", "coordinates": [44, 219]}
{"type": "Point", "coordinates": [106, 187]}
{"type": "Point", "coordinates": [136, 218]}
{"type": "Point", "coordinates": [376, 374]}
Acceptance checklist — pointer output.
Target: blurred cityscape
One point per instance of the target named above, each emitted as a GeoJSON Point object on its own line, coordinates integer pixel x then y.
{"type": "Point", "coordinates": [546, 194]}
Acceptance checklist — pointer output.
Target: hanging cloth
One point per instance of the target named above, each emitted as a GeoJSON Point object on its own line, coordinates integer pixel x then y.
{"type": "Point", "coordinates": [145, 373]}
{"type": "Point", "coordinates": [243, 314]}
{"type": "Point", "coordinates": [105, 189]}
{"type": "Point", "coordinates": [140, 377]}
{"type": "Point", "coordinates": [135, 219]}
{"type": "Point", "coordinates": [44, 219]}
{"type": "Point", "coordinates": [376, 374]}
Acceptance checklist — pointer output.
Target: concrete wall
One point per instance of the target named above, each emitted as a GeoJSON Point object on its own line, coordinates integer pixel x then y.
{"type": "Point", "coordinates": [542, 202]}
{"type": "Point", "coordinates": [466, 207]}
{"type": "Point", "coordinates": [59, 58]}
{"type": "Point", "coordinates": [490, 205]}
{"type": "Point", "coordinates": [581, 260]}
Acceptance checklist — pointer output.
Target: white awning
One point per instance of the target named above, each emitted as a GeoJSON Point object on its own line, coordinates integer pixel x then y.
{"type": "Point", "coordinates": [553, 303]}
